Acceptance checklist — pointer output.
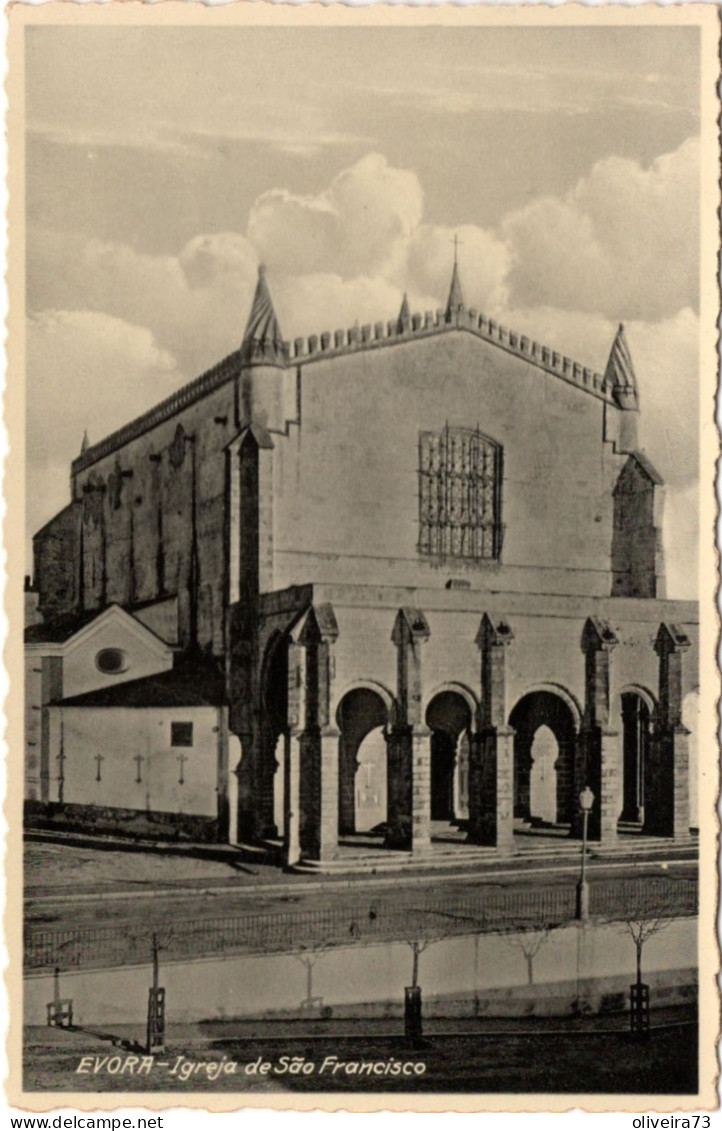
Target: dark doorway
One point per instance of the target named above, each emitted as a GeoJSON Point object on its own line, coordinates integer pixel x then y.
{"type": "Point", "coordinates": [448, 716]}
{"type": "Point", "coordinates": [362, 717]}
{"type": "Point", "coordinates": [274, 732]}
{"type": "Point", "coordinates": [443, 761]}
{"type": "Point", "coordinates": [534, 716]}
{"type": "Point", "coordinates": [636, 729]}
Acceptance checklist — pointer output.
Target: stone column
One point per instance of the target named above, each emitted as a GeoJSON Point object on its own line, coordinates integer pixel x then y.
{"type": "Point", "coordinates": [318, 743]}
{"type": "Point", "coordinates": [292, 755]}
{"type": "Point", "coordinates": [491, 771]}
{"type": "Point", "coordinates": [598, 764]}
{"type": "Point", "coordinates": [666, 809]}
{"type": "Point", "coordinates": [292, 801]}
{"type": "Point", "coordinates": [242, 721]}
{"type": "Point", "coordinates": [409, 742]}
{"type": "Point", "coordinates": [420, 789]}
{"type": "Point", "coordinates": [248, 823]}
{"type": "Point", "coordinates": [398, 776]}
{"type": "Point", "coordinates": [348, 765]}
{"type": "Point", "coordinates": [266, 760]}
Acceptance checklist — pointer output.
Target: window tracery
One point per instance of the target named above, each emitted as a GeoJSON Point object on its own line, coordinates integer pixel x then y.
{"type": "Point", "coordinates": [459, 494]}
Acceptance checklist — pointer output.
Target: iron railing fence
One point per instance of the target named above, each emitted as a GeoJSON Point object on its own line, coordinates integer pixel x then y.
{"type": "Point", "coordinates": [366, 922]}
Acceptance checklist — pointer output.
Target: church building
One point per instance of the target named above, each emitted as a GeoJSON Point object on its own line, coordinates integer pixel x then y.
{"type": "Point", "coordinates": [378, 591]}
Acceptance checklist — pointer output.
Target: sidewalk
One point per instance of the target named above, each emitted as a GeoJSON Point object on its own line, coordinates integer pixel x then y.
{"type": "Point", "coordinates": [480, 1058]}
{"type": "Point", "coordinates": [149, 869]}
{"type": "Point", "coordinates": [289, 1029]}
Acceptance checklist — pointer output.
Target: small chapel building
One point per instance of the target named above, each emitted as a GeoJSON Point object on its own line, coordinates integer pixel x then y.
{"type": "Point", "coordinates": [378, 589]}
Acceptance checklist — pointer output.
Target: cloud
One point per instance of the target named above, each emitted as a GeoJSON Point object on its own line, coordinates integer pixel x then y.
{"type": "Point", "coordinates": [88, 370]}
{"type": "Point", "coordinates": [562, 270]}
{"type": "Point", "coordinates": [681, 539]}
{"type": "Point", "coordinates": [195, 143]}
{"type": "Point", "coordinates": [624, 242]}
{"type": "Point", "coordinates": [314, 303]}
{"type": "Point", "coordinates": [194, 304]}
{"type": "Point", "coordinates": [666, 361]}
{"type": "Point", "coordinates": [485, 262]}
{"type": "Point", "coordinates": [359, 225]}
{"type": "Point", "coordinates": [155, 139]}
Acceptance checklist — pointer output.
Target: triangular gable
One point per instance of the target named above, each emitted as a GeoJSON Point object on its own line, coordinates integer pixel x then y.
{"type": "Point", "coordinates": [114, 614]}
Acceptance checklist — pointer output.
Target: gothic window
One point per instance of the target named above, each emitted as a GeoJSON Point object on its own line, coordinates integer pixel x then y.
{"type": "Point", "coordinates": [459, 494]}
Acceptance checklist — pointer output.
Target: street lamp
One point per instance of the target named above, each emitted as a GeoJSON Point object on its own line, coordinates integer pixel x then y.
{"type": "Point", "coordinates": [586, 800]}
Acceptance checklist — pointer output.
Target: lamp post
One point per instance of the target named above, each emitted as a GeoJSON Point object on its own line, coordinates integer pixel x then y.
{"type": "Point", "coordinates": [586, 800]}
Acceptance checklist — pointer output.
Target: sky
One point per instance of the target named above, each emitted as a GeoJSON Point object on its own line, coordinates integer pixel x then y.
{"type": "Point", "coordinates": [163, 164]}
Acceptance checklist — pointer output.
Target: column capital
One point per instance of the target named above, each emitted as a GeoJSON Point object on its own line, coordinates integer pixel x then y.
{"type": "Point", "coordinates": [598, 635]}
{"type": "Point", "coordinates": [490, 634]}
{"type": "Point", "coordinates": [671, 638]}
{"type": "Point", "coordinates": [410, 625]}
{"type": "Point", "coordinates": [505, 732]}
{"type": "Point", "coordinates": [317, 625]}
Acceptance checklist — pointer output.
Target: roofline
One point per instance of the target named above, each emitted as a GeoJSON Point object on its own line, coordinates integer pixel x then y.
{"type": "Point", "coordinates": [71, 642]}
{"type": "Point", "coordinates": [224, 371]}
{"type": "Point", "coordinates": [72, 703]}
{"type": "Point", "coordinates": [355, 340]}
{"type": "Point", "coordinates": [44, 527]}
{"type": "Point", "coordinates": [519, 345]}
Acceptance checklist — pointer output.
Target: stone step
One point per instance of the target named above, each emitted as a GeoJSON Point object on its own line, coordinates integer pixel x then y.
{"type": "Point", "coordinates": [465, 855]}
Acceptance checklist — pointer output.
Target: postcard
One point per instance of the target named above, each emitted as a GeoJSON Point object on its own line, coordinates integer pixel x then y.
{"type": "Point", "coordinates": [360, 494]}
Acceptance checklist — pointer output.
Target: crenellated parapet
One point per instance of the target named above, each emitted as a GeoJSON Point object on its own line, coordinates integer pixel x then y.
{"type": "Point", "coordinates": [431, 323]}
{"type": "Point", "coordinates": [226, 370]}
{"type": "Point", "coordinates": [263, 345]}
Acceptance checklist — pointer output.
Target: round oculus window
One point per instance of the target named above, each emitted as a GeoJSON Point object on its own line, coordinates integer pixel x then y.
{"type": "Point", "coordinates": [111, 661]}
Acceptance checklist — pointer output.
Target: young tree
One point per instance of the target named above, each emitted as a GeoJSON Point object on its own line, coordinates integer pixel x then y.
{"type": "Point", "coordinates": [641, 926]}
{"type": "Point", "coordinates": [308, 956]}
{"type": "Point", "coordinates": [155, 939]}
{"type": "Point", "coordinates": [529, 940]}
{"type": "Point", "coordinates": [644, 908]}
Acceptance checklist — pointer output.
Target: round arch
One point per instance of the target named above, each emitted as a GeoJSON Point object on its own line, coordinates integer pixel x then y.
{"type": "Point", "coordinates": [273, 698]}
{"type": "Point", "coordinates": [546, 720]}
{"type": "Point", "coordinates": [562, 693]}
{"type": "Point", "coordinates": [367, 685]}
{"type": "Point", "coordinates": [450, 712]}
{"type": "Point", "coordinates": [460, 689]}
{"type": "Point", "coordinates": [637, 708]}
{"type": "Point", "coordinates": [644, 694]}
{"type": "Point", "coordinates": [271, 655]}
{"type": "Point", "coordinates": [363, 714]}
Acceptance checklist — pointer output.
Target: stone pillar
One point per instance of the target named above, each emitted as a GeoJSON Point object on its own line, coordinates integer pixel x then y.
{"type": "Point", "coordinates": [318, 741]}
{"type": "Point", "coordinates": [266, 759]}
{"type": "Point", "coordinates": [348, 765]}
{"type": "Point", "coordinates": [247, 812]}
{"type": "Point", "coordinates": [292, 802]}
{"type": "Point", "coordinates": [398, 776]}
{"type": "Point", "coordinates": [420, 789]}
{"type": "Point", "coordinates": [491, 771]}
{"type": "Point", "coordinates": [666, 809]}
{"type": "Point", "coordinates": [610, 791]}
{"type": "Point", "coordinates": [505, 789]}
{"type": "Point", "coordinates": [243, 723]}
{"type": "Point", "coordinates": [409, 742]}
{"type": "Point", "coordinates": [598, 764]}
{"type": "Point", "coordinates": [234, 759]}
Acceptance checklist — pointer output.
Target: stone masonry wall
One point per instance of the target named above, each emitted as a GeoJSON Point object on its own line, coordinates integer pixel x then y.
{"type": "Point", "coordinates": [347, 480]}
